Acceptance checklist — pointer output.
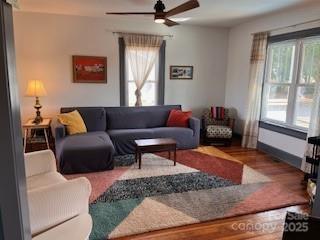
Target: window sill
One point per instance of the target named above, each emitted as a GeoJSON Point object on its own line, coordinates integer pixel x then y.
{"type": "Point", "coordinates": [283, 130]}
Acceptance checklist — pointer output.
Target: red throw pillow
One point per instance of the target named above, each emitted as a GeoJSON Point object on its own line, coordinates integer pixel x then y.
{"type": "Point", "coordinates": [177, 118]}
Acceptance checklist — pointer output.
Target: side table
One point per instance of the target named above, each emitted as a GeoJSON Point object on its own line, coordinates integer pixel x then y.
{"type": "Point", "coordinates": [29, 126]}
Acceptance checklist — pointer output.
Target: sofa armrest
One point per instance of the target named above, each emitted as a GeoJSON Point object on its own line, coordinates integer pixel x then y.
{"type": "Point", "coordinates": [40, 162]}
{"type": "Point", "coordinates": [58, 129]}
{"type": "Point", "coordinates": [50, 206]}
{"type": "Point", "coordinates": [66, 230]}
{"type": "Point", "coordinates": [194, 124]}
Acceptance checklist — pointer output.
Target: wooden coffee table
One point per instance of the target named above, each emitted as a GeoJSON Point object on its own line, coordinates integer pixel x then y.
{"type": "Point", "coordinates": [155, 145]}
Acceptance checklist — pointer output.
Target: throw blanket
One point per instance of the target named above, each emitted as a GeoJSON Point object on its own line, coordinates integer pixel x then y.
{"type": "Point", "coordinates": [217, 113]}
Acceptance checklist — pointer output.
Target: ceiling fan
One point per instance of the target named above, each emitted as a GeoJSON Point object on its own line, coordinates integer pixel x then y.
{"type": "Point", "coordinates": [160, 16]}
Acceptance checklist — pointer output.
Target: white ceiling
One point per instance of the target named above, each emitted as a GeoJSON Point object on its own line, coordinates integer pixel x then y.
{"type": "Point", "coordinates": [224, 13]}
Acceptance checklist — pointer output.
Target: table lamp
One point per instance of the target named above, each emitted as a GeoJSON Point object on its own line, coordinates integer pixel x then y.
{"type": "Point", "coordinates": [36, 89]}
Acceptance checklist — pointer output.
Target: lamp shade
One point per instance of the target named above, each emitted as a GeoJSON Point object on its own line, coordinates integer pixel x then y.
{"type": "Point", "coordinates": [36, 89]}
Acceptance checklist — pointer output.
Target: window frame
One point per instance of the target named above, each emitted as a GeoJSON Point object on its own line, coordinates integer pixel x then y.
{"type": "Point", "coordinates": [122, 73]}
{"type": "Point", "coordinates": [295, 81]}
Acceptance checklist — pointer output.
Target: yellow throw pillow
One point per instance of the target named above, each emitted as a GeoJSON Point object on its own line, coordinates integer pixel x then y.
{"type": "Point", "coordinates": [73, 122]}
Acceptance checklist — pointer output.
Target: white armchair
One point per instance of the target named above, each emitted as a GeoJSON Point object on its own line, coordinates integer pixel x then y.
{"type": "Point", "coordinates": [57, 206]}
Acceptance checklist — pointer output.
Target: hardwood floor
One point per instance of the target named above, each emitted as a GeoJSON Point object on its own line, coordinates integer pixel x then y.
{"type": "Point", "coordinates": [233, 228]}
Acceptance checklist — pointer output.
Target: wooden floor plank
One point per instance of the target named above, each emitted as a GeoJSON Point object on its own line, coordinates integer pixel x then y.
{"type": "Point", "coordinates": [228, 229]}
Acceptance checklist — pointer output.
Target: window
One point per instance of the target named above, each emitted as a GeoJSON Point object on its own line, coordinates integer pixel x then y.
{"type": "Point", "coordinates": [149, 91]}
{"type": "Point", "coordinates": [153, 90]}
{"type": "Point", "coordinates": [290, 76]}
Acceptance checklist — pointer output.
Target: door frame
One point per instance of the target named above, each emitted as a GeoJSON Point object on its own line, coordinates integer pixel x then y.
{"type": "Point", "coordinates": [14, 211]}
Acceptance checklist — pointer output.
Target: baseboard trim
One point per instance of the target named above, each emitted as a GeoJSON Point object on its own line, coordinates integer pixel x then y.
{"type": "Point", "coordinates": [281, 155]}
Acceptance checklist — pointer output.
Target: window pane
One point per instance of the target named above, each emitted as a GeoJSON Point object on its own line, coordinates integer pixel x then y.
{"type": "Point", "coordinates": [131, 93]}
{"type": "Point", "coordinates": [129, 72]}
{"type": "Point", "coordinates": [277, 102]}
{"type": "Point", "coordinates": [149, 94]}
{"type": "Point", "coordinates": [152, 75]}
{"type": "Point", "coordinates": [303, 106]}
{"type": "Point", "coordinates": [310, 72]}
{"type": "Point", "coordinates": [281, 60]}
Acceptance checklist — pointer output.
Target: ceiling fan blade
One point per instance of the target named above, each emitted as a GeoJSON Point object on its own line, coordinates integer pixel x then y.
{"type": "Point", "coordinates": [170, 23]}
{"type": "Point", "coordinates": [183, 8]}
{"type": "Point", "coordinates": [130, 13]}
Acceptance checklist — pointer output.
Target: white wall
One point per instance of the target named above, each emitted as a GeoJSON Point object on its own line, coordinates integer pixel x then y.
{"type": "Point", "coordinates": [46, 42]}
{"type": "Point", "coordinates": [240, 40]}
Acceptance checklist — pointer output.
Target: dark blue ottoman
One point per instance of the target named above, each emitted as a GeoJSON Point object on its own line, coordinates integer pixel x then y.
{"type": "Point", "coordinates": [89, 152]}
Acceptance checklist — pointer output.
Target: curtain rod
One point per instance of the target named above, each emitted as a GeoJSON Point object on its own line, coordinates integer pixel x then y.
{"type": "Point", "coordinates": [290, 26]}
{"type": "Point", "coordinates": [165, 35]}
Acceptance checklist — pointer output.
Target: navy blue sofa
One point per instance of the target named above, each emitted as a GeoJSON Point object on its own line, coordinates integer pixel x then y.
{"type": "Point", "coordinates": [112, 131]}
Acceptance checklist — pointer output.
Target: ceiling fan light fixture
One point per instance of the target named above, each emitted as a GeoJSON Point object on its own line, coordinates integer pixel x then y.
{"type": "Point", "coordinates": [159, 20]}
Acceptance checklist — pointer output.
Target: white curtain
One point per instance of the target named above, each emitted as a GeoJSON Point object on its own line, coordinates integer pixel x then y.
{"type": "Point", "coordinates": [257, 61]}
{"type": "Point", "coordinates": [141, 52]}
{"type": "Point", "coordinates": [314, 127]}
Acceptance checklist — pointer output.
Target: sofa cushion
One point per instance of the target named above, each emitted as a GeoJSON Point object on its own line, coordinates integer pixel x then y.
{"type": "Point", "coordinates": [44, 180]}
{"type": "Point", "coordinates": [176, 133]}
{"type": "Point", "coordinates": [158, 115]}
{"type": "Point", "coordinates": [73, 122]}
{"type": "Point", "coordinates": [178, 118]}
{"type": "Point", "coordinates": [87, 141]}
{"type": "Point", "coordinates": [123, 139]}
{"type": "Point", "coordinates": [94, 117]}
{"type": "Point", "coordinates": [138, 117]}
{"type": "Point", "coordinates": [183, 136]}
{"type": "Point", "coordinates": [131, 134]}
{"type": "Point", "coordinates": [125, 118]}
{"type": "Point", "coordinates": [214, 131]}
{"type": "Point", "coordinates": [88, 152]}
{"type": "Point", "coordinates": [180, 132]}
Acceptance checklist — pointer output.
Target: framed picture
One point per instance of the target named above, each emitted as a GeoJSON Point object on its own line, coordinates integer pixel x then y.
{"type": "Point", "coordinates": [88, 69]}
{"type": "Point", "coordinates": [181, 72]}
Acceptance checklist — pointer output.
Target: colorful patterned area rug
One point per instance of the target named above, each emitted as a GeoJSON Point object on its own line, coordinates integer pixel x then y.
{"type": "Point", "coordinates": [201, 187]}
